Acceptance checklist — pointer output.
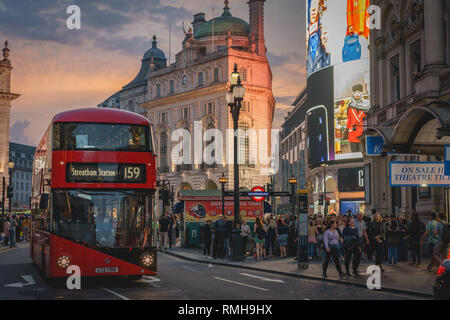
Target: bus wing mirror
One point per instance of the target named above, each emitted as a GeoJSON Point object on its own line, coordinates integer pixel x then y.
{"type": "Point", "coordinates": [43, 203]}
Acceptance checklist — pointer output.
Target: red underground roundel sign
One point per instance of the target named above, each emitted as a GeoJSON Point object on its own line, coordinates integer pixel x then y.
{"type": "Point", "coordinates": [254, 193]}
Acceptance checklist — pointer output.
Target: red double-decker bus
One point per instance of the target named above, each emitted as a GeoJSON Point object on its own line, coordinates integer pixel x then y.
{"type": "Point", "coordinates": [94, 180]}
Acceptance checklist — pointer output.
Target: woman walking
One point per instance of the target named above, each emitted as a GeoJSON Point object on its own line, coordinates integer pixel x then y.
{"type": "Point", "coordinates": [245, 234]}
{"type": "Point", "coordinates": [260, 234]}
{"type": "Point", "coordinates": [351, 245]}
{"type": "Point", "coordinates": [312, 240]}
{"type": "Point", "coordinates": [331, 242]}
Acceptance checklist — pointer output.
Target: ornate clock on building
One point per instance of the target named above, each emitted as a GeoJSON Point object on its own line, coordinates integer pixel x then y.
{"type": "Point", "coordinates": [184, 80]}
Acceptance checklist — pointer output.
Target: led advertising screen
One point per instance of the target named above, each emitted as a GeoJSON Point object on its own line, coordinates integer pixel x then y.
{"type": "Point", "coordinates": [338, 70]}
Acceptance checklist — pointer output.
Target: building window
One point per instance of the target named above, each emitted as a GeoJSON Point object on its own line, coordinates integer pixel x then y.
{"type": "Point", "coordinates": [163, 117]}
{"type": "Point", "coordinates": [209, 108]}
{"type": "Point", "coordinates": [163, 152]}
{"type": "Point", "coordinates": [245, 106]}
{"type": "Point", "coordinates": [130, 106]}
{"type": "Point", "coordinates": [216, 74]}
{"type": "Point", "coordinates": [203, 51]}
{"type": "Point", "coordinates": [200, 79]}
{"type": "Point", "coordinates": [244, 144]}
{"type": "Point", "coordinates": [395, 78]}
{"type": "Point", "coordinates": [415, 54]}
{"type": "Point", "coordinates": [243, 72]}
{"type": "Point", "coordinates": [184, 113]}
{"type": "Point", "coordinates": [172, 86]}
{"type": "Point", "coordinates": [158, 90]}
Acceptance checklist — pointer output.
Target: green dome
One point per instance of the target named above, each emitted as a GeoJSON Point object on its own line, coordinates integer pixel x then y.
{"type": "Point", "coordinates": [238, 27]}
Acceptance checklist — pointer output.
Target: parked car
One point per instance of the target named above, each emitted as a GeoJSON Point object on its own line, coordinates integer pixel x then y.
{"type": "Point", "coordinates": [441, 287]}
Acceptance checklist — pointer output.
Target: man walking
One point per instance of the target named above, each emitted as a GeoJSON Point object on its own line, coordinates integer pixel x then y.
{"type": "Point", "coordinates": [415, 230]}
{"type": "Point", "coordinates": [163, 231]}
{"type": "Point", "coordinates": [432, 232]}
{"type": "Point", "coordinates": [12, 231]}
{"type": "Point", "coordinates": [220, 227]}
{"type": "Point", "coordinates": [362, 239]}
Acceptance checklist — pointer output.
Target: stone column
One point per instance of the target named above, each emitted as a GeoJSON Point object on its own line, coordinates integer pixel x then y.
{"type": "Point", "coordinates": [5, 105]}
{"type": "Point", "coordinates": [434, 33]}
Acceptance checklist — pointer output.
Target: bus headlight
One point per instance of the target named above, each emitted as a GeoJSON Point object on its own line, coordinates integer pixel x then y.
{"type": "Point", "coordinates": [63, 262]}
{"type": "Point", "coordinates": [147, 260]}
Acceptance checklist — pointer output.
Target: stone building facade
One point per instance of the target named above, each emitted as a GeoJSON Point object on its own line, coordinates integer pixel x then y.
{"type": "Point", "coordinates": [190, 94]}
{"type": "Point", "coordinates": [22, 157]}
{"type": "Point", "coordinates": [6, 97]}
{"type": "Point", "coordinates": [410, 98]}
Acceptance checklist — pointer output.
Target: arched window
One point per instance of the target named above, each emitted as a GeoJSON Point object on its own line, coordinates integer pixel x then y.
{"type": "Point", "coordinates": [164, 165]}
{"type": "Point", "coordinates": [244, 144]}
{"type": "Point", "coordinates": [172, 86]}
{"type": "Point", "coordinates": [200, 79]}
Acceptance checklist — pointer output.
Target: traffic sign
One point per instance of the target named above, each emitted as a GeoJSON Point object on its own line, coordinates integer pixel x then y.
{"type": "Point", "coordinates": [447, 161]}
{"type": "Point", "coordinates": [258, 194]}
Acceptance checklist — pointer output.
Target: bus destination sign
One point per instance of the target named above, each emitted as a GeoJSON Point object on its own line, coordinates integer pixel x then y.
{"type": "Point", "coordinates": [106, 172]}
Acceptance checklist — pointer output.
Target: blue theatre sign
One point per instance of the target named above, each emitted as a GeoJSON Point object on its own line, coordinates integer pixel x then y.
{"type": "Point", "coordinates": [416, 174]}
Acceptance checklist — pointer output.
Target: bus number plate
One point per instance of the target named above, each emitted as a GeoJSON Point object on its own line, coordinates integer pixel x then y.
{"type": "Point", "coordinates": [107, 270]}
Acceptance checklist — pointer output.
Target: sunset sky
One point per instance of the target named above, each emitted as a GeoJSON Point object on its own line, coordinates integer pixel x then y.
{"type": "Point", "coordinates": [56, 69]}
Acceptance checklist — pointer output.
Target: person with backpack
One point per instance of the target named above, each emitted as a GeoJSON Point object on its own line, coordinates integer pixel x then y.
{"type": "Point", "coordinates": [432, 232]}
{"type": "Point", "coordinates": [415, 230]}
{"type": "Point", "coordinates": [260, 235]}
{"type": "Point", "coordinates": [271, 236]}
{"type": "Point", "coordinates": [393, 237]}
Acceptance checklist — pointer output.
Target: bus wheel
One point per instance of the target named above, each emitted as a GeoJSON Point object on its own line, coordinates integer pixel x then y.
{"type": "Point", "coordinates": [135, 277]}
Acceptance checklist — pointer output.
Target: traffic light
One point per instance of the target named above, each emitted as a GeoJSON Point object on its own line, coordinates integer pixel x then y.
{"type": "Point", "coordinates": [9, 192]}
{"type": "Point", "coordinates": [328, 201]}
{"type": "Point", "coordinates": [165, 197]}
{"type": "Point", "coordinates": [321, 200]}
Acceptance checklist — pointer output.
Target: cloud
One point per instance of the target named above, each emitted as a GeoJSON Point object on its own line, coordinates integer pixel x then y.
{"type": "Point", "coordinates": [17, 132]}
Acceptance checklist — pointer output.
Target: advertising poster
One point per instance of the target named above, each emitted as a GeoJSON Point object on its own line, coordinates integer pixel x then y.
{"type": "Point", "coordinates": [203, 210]}
{"type": "Point", "coordinates": [337, 47]}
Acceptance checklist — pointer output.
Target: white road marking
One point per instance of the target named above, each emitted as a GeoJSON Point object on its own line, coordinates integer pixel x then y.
{"type": "Point", "coordinates": [241, 284]}
{"type": "Point", "coordinates": [29, 282]}
{"type": "Point", "coordinates": [262, 278]}
{"type": "Point", "coordinates": [115, 293]}
{"type": "Point", "coordinates": [150, 279]}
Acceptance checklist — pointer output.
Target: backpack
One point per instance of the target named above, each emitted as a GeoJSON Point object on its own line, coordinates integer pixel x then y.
{"type": "Point", "coordinates": [260, 233]}
{"type": "Point", "coordinates": [445, 233]}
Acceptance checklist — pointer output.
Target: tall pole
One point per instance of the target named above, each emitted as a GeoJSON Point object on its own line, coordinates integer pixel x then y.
{"type": "Point", "coordinates": [3, 196]}
{"type": "Point", "coordinates": [10, 185]}
{"type": "Point", "coordinates": [235, 111]}
{"type": "Point", "coordinates": [324, 191]}
{"type": "Point", "coordinates": [223, 199]}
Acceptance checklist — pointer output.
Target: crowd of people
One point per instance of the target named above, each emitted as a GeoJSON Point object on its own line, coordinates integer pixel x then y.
{"type": "Point", "coordinates": [345, 238]}
{"type": "Point", "coordinates": [13, 229]}
{"type": "Point", "coordinates": [271, 236]}
{"type": "Point", "coordinates": [168, 230]}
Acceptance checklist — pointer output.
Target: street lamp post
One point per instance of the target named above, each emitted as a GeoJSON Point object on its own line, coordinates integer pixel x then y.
{"type": "Point", "coordinates": [234, 99]}
{"type": "Point", "coordinates": [223, 181]}
{"type": "Point", "coordinates": [10, 188]}
{"type": "Point", "coordinates": [293, 184]}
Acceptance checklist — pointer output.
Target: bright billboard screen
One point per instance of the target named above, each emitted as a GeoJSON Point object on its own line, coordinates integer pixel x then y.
{"type": "Point", "coordinates": [338, 70]}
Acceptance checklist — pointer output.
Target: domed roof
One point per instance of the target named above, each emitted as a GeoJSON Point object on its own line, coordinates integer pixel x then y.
{"type": "Point", "coordinates": [154, 51]}
{"type": "Point", "coordinates": [238, 27]}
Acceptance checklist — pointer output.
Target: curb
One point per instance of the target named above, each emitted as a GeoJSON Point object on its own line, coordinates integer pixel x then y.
{"type": "Point", "coordinates": [302, 276]}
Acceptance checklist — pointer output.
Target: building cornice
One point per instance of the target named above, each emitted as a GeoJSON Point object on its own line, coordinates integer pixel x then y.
{"type": "Point", "coordinates": [200, 92]}
{"type": "Point", "coordinates": [8, 96]}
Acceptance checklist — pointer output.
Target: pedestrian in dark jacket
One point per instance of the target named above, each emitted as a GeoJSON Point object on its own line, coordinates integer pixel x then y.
{"type": "Point", "coordinates": [377, 234]}
{"type": "Point", "coordinates": [393, 236]}
{"type": "Point", "coordinates": [415, 230]}
{"type": "Point", "coordinates": [207, 238]}
{"type": "Point", "coordinates": [404, 236]}
{"type": "Point", "coordinates": [351, 246]}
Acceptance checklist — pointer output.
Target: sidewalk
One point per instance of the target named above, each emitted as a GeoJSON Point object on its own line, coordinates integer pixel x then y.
{"type": "Point", "coordinates": [401, 278]}
{"type": "Point", "coordinates": [18, 245]}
